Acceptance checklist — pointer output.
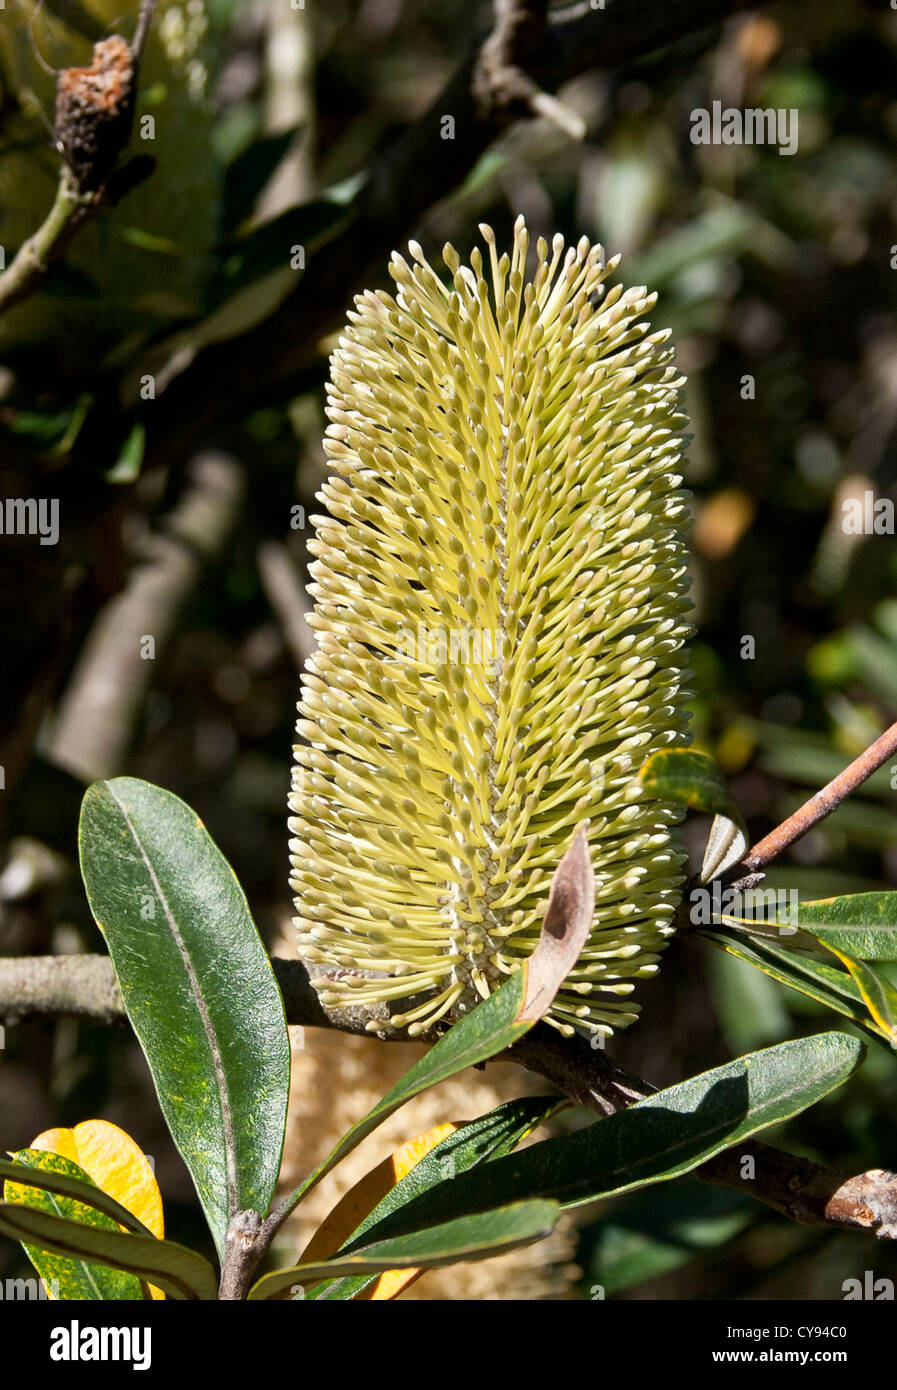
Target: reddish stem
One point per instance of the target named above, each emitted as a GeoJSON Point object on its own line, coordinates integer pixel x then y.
{"type": "Point", "coordinates": [823, 802]}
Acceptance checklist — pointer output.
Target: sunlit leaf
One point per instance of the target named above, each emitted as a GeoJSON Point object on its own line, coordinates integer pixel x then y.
{"type": "Point", "coordinates": [117, 1165]}
{"type": "Point", "coordinates": [64, 1182]}
{"type": "Point", "coordinates": [198, 988]}
{"type": "Point", "coordinates": [863, 924]}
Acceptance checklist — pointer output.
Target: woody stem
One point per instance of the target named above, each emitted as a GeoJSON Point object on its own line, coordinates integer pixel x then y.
{"type": "Point", "coordinates": [823, 802]}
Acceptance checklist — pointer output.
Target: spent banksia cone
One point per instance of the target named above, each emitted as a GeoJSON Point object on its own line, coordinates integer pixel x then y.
{"type": "Point", "coordinates": [94, 112]}
{"type": "Point", "coordinates": [500, 609]}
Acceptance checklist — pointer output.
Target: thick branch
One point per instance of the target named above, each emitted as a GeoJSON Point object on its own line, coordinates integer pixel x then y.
{"type": "Point", "coordinates": [59, 986]}
{"type": "Point", "coordinates": [84, 987]}
{"type": "Point", "coordinates": [808, 1192]}
{"type": "Point", "coordinates": [800, 1189]}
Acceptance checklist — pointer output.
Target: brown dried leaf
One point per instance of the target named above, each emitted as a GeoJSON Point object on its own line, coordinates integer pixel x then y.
{"type": "Point", "coordinates": [565, 930]}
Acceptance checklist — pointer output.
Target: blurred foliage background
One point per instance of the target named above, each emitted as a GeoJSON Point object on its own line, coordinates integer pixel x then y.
{"type": "Point", "coordinates": [776, 274]}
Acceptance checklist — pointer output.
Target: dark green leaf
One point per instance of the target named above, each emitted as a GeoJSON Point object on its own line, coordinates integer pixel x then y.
{"type": "Point", "coordinates": [270, 247]}
{"type": "Point", "coordinates": [475, 1237]}
{"type": "Point", "coordinates": [55, 433]}
{"type": "Point", "coordinates": [198, 987]}
{"type": "Point", "coordinates": [180, 1272]}
{"type": "Point", "coordinates": [659, 1138]}
{"type": "Point", "coordinates": [815, 978]}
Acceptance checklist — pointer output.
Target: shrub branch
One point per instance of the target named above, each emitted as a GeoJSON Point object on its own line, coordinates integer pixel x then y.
{"type": "Point", "coordinates": [84, 987]}
{"type": "Point", "coordinates": [37, 256]}
{"type": "Point", "coordinates": [822, 803]}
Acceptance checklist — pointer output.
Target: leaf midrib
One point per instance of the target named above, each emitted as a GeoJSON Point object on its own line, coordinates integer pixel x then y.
{"type": "Point", "coordinates": [202, 1009]}
{"type": "Point", "coordinates": [754, 1119]}
{"type": "Point", "coordinates": [88, 1272]}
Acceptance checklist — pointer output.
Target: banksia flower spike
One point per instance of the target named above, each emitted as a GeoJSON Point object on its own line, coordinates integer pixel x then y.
{"type": "Point", "coordinates": [500, 609]}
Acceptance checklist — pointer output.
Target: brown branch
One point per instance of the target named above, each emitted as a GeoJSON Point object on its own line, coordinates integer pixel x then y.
{"type": "Point", "coordinates": [501, 80]}
{"type": "Point", "coordinates": [823, 803]}
{"type": "Point", "coordinates": [144, 20]}
{"type": "Point", "coordinates": [808, 1192]}
{"type": "Point", "coordinates": [245, 1242]}
{"type": "Point", "coordinates": [406, 177]}
{"type": "Point", "coordinates": [84, 987]}
{"type": "Point", "coordinates": [800, 1189]}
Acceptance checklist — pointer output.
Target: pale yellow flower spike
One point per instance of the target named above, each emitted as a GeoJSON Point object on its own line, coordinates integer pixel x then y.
{"type": "Point", "coordinates": [500, 609]}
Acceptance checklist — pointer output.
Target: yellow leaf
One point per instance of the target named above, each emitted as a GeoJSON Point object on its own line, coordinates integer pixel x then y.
{"type": "Point", "coordinates": [116, 1164]}
{"type": "Point", "coordinates": [359, 1202]}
